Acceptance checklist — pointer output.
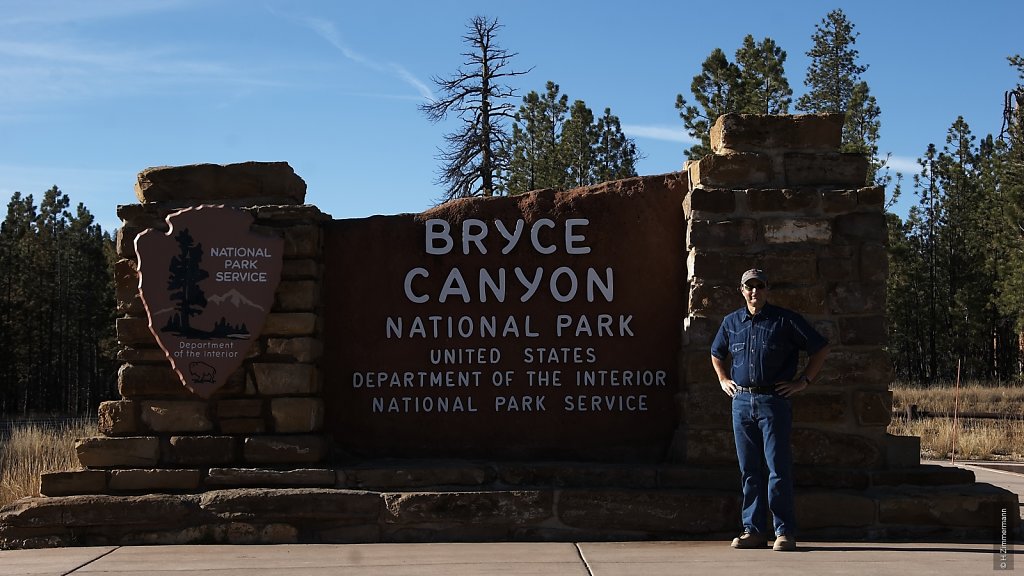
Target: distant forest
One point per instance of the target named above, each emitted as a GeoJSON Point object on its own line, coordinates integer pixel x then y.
{"type": "Point", "coordinates": [57, 339]}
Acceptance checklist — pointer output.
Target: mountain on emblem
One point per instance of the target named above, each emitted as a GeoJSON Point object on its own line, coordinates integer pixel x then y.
{"type": "Point", "coordinates": [232, 298]}
{"type": "Point", "coordinates": [207, 285]}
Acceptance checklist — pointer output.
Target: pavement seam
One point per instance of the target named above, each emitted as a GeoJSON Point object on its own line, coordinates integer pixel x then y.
{"type": "Point", "coordinates": [79, 567]}
{"type": "Point", "coordinates": [579, 552]}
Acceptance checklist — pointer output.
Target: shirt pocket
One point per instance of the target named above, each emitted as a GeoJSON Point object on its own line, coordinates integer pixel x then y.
{"type": "Point", "coordinates": [738, 351]}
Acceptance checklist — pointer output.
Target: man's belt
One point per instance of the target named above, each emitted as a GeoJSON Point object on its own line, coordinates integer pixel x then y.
{"type": "Point", "coordinates": [757, 389]}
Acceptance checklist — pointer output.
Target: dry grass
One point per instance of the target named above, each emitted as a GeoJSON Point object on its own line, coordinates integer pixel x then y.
{"type": "Point", "coordinates": [974, 397]}
{"type": "Point", "coordinates": [31, 450]}
{"type": "Point", "coordinates": [976, 439]}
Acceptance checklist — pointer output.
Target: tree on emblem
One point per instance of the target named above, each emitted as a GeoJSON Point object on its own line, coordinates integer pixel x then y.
{"type": "Point", "coordinates": [183, 284]}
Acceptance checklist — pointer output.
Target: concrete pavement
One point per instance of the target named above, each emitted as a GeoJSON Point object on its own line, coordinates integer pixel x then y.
{"type": "Point", "coordinates": [597, 559]}
{"type": "Point", "coordinates": [529, 558]}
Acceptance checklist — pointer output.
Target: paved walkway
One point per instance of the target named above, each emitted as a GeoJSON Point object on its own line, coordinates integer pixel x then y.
{"type": "Point", "coordinates": [597, 559]}
{"type": "Point", "coordinates": [547, 558]}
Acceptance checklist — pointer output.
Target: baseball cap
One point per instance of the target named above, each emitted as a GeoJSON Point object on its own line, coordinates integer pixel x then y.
{"type": "Point", "coordinates": [754, 274]}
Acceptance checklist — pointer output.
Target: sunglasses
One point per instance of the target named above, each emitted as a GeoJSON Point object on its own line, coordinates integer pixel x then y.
{"type": "Point", "coordinates": [749, 287]}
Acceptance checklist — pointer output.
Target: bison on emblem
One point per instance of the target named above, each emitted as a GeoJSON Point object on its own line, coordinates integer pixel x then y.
{"type": "Point", "coordinates": [202, 372]}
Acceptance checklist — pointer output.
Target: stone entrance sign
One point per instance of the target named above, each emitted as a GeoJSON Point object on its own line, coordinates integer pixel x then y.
{"type": "Point", "coordinates": [207, 285]}
{"type": "Point", "coordinates": [498, 334]}
{"type": "Point", "coordinates": [542, 326]}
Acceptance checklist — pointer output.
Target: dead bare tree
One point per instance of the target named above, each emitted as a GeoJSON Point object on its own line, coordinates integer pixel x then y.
{"type": "Point", "coordinates": [476, 158]}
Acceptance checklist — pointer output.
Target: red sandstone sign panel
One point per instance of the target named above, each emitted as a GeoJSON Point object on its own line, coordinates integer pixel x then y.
{"type": "Point", "coordinates": [540, 326]}
{"type": "Point", "coordinates": [207, 284]}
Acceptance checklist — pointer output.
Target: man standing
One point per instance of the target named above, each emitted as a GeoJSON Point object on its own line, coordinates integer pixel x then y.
{"type": "Point", "coordinates": [765, 343]}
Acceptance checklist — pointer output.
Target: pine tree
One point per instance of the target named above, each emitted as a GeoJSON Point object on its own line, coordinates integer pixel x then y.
{"type": "Point", "coordinates": [536, 160]}
{"type": "Point", "coordinates": [1013, 137]}
{"type": "Point", "coordinates": [929, 226]}
{"type": "Point", "coordinates": [551, 151]}
{"type": "Point", "coordinates": [755, 84]}
{"type": "Point", "coordinates": [717, 90]}
{"type": "Point", "coordinates": [477, 155]}
{"type": "Point", "coordinates": [763, 77]}
{"type": "Point", "coordinates": [997, 330]}
{"type": "Point", "coordinates": [957, 177]}
{"type": "Point", "coordinates": [579, 146]}
{"type": "Point", "coordinates": [616, 154]}
{"type": "Point", "coordinates": [835, 87]}
{"type": "Point", "coordinates": [833, 71]}
{"type": "Point", "coordinates": [906, 291]}
{"type": "Point", "coordinates": [1011, 174]}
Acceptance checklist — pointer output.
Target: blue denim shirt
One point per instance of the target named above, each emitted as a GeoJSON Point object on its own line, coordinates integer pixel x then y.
{"type": "Point", "coordinates": [765, 348]}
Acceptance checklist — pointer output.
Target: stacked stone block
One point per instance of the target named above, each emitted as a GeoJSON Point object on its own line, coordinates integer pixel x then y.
{"type": "Point", "coordinates": [264, 426]}
{"type": "Point", "coordinates": [777, 194]}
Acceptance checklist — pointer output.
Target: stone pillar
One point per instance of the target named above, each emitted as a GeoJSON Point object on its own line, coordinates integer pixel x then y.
{"type": "Point", "coordinates": [777, 194]}
{"type": "Point", "coordinates": [161, 436]}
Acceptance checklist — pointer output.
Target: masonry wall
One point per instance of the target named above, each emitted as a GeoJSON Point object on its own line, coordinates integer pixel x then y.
{"type": "Point", "coordinates": [264, 426]}
{"type": "Point", "coordinates": [252, 464]}
{"type": "Point", "coordinates": [777, 194]}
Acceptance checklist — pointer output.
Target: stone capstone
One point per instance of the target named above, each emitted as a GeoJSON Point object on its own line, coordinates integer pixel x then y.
{"type": "Point", "coordinates": [254, 182]}
{"type": "Point", "coordinates": [759, 133]}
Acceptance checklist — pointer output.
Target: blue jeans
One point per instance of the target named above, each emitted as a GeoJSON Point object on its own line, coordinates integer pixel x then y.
{"type": "Point", "coordinates": [762, 425]}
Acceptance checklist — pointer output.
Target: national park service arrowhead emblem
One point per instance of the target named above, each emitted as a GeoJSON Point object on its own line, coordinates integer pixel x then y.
{"type": "Point", "coordinates": [207, 284]}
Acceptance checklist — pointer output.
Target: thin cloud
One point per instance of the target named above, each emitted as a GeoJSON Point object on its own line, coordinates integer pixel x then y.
{"type": "Point", "coordinates": [57, 12]}
{"type": "Point", "coordinates": [903, 164]}
{"type": "Point", "coordinates": [112, 59]}
{"type": "Point", "coordinates": [35, 70]}
{"type": "Point", "coordinates": [329, 32]}
{"type": "Point", "coordinates": [382, 96]}
{"type": "Point", "coordinates": [662, 133]}
{"type": "Point", "coordinates": [43, 58]}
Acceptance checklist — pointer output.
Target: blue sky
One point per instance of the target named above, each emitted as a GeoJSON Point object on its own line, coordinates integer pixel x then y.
{"type": "Point", "coordinates": [92, 92]}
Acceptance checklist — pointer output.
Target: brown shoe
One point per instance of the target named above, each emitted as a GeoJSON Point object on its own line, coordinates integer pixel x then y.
{"type": "Point", "coordinates": [784, 543]}
{"type": "Point", "coordinates": [749, 540]}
